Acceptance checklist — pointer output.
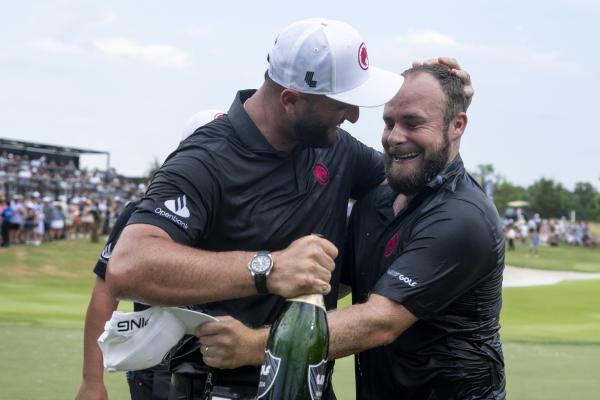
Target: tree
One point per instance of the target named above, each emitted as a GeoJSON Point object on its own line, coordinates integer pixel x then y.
{"type": "Point", "coordinates": [482, 173]}
{"type": "Point", "coordinates": [548, 198]}
{"type": "Point", "coordinates": [504, 192]}
{"type": "Point", "coordinates": [583, 200]}
{"type": "Point", "coordinates": [596, 208]}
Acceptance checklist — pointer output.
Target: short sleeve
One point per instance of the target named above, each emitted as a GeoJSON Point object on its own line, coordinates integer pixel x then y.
{"type": "Point", "coordinates": [182, 199]}
{"type": "Point", "coordinates": [120, 223]}
{"type": "Point", "coordinates": [449, 250]}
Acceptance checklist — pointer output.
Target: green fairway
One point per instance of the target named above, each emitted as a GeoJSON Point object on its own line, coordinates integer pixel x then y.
{"type": "Point", "coordinates": [562, 258]}
{"type": "Point", "coordinates": [568, 312]}
{"type": "Point", "coordinates": [551, 334]}
{"type": "Point", "coordinates": [551, 337]}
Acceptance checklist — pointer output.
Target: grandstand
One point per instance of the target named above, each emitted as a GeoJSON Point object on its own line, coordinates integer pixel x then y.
{"type": "Point", "coordinates": [53, 171]}
{"type": "Point", "coordinates": [50, 196]}
{"type": "Point", "coordinates": [57, 154]}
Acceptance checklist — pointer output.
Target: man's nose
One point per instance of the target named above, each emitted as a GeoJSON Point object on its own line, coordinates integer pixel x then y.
{"type": "Point", "coordinates": [396, 136]}
{"type": "Point", "coordinates": [352, 113]}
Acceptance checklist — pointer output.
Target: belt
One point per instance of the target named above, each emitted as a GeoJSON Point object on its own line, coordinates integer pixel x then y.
{"type": "Point", "coordinates": [197, 388]}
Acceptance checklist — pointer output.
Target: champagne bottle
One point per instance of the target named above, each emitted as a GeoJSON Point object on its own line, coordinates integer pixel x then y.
{"type": "Point", "coordinates": [296, 354]}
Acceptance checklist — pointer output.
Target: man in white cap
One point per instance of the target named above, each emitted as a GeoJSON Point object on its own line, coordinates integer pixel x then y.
{"type": "Point", "coordinates": [144, 384]}
{"type": "Point", "coordinates": [252, 208]}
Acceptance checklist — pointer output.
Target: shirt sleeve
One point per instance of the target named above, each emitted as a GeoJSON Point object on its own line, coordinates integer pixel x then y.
{"type": "Point", "coordinates": [120, 223]}
{"type": "Point", "coordinates": [183, 197]}
{"type": "Point", "coordinates": [368, 168]}
{"type": "Point", "coordinates": [449, 250]}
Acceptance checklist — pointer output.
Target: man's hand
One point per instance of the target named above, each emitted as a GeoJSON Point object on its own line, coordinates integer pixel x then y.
{"type": "Point", "coordinates": [91, 391]}
{"type": "Point", "coordinates": [455, 68]}
{"type": "Point", "coordinates": [228, 343]}
{"type": "Point", "coordinates": [304, 267]}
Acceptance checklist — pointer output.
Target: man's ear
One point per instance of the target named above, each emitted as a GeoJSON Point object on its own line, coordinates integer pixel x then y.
{"type": "Point", "coordinates": [458, 126]}
{"type": "Point", "coordinates": [290, 99]}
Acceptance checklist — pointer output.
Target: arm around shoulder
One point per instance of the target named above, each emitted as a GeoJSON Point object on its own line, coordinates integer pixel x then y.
{"type": "Point", "coordinates": [360, 327]}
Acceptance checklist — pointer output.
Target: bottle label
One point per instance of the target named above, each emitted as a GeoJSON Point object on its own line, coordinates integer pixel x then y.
{"type": "Point", "coordinates": [316, 379]}
{"type": "Point", "coordinates": [314, 299]}
{"type": "Point", "coordinates": [268, 374]}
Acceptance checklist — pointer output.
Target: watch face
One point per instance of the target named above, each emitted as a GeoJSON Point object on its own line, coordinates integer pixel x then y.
{"type": "Point", "coordinates": [260, 264]}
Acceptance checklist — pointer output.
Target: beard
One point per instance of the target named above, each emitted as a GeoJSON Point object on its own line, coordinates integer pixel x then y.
{"type": "Point", "coordinates": [412, 183]}
{"type": "Point", "coordinates": [311, 132]}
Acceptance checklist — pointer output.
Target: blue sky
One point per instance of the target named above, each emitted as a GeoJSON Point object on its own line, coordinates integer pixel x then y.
{"type": "Point", "coordinates": [124, 76]}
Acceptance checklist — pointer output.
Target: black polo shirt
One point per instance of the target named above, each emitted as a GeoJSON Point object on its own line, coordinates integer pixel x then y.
{"type": "Point", "coordinates": [226, 188]}
{"type": "Point", "coordinates": [442, 258]}
{"type": "Point", "coordinates": [113, 238]}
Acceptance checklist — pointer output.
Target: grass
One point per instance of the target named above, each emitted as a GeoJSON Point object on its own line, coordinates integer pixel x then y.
{"type": "Point", "coordinates": [565, 313]}
{"type": "Point", "coordinates": [44, 292]}
{"type": "Point", "coordinates": [562, 258]}
{"type": "Point", "coordinates": [551, 334]}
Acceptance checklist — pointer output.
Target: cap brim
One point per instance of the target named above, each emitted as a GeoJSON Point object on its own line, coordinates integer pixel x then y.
{"type": "Point", "coordinates": [190, 319]}
{"type": "Point", "coordinates": [141, 348]}
{"type": "Point", "coordinates": [381, 86]}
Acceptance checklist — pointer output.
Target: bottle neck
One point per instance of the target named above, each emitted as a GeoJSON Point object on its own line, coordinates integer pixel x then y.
{"type": "Point", "coordinates": [314, 299]}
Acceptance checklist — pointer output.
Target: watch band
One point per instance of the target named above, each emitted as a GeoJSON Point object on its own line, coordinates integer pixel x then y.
{"type": "Point", "coordinates": [260, 280]}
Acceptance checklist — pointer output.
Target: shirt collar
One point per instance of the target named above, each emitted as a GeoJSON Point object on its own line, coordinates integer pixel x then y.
{"type": "Point", "coordinates": [245, 129]}
{"type": "Point", "coordinates": [455, 168]}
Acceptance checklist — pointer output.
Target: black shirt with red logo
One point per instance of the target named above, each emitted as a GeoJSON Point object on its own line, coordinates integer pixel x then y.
{"type": "Point", "coordinates": [442, 257]}
{"type": "Point", "coordinates": [226, 188]}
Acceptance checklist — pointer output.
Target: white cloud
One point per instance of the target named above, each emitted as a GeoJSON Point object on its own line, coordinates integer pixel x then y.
{"type": "Point", "coordinates": [163, 55]}
{"type": "Point", "coordinates": [422, 44]}
{"type": "Point", "coordinates": [55, 46]}
{"type": "Point", "coordinates": [428, 37]}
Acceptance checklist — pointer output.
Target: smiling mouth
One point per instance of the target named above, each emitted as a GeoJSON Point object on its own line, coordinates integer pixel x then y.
{"type": "Point", "coordinates": [405, 157]}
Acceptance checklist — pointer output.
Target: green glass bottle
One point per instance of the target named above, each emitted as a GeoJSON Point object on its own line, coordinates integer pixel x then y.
{"type": "Point", "coordinates": [296, 354]}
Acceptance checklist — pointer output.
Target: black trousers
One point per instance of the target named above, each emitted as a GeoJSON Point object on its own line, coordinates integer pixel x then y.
{"type": "Point", "coordinates": [149, 384]}
{"type": "Point", "coordinates": [189, 388]}
{"type": "Point", "coordinates": [185, 387]}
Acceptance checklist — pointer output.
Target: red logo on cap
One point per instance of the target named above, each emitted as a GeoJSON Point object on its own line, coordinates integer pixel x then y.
{"type": "Point", "coordinates": [321, 174]}
{"type": "Point", "coordinates": [363, 57]}
{"type": "Point", "coordinates": [391, 245]}
{"type": "Point", "coordinates": [218, 115]}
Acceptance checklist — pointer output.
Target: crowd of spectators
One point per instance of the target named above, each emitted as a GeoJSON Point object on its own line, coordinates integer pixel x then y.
{"type": "Point", "coordinates": [43, 199]}
{"type": "Point", "coordinates": [537, 232]}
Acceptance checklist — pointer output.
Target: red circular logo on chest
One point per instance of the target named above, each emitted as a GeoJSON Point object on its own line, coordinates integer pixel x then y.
{"type": "Point", "coordinates": [391, 245]}
{"type": "Point", "coordinates": [363, 57]}
{"type": "Point", "coordinates": [321, 174]}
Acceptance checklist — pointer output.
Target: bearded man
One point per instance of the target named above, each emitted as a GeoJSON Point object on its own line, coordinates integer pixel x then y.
{"type": "Point", "coordinates": [425, 259]}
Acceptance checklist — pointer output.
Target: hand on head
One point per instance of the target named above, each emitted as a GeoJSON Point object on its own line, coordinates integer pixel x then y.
{"type": "Point", "coordinates": [452, 63]}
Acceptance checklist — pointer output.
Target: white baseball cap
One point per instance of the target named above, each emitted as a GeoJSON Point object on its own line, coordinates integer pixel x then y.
{"type": "Point", "coordinates": [199, 119]}
{"type": "Point", "coordinates": [329, 57]}
{"type": "Point", "coordinates": [138, 340]}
